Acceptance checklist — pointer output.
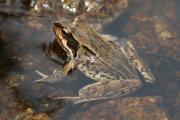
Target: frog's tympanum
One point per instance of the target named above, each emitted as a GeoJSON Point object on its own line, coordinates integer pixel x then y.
{"type": "Point", "coordinates": [114, 65]}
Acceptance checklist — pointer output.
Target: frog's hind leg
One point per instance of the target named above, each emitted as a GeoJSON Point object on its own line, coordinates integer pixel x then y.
{"type": "Point", "coordinates": [130, 52]}
{"type": "Point", "coordinates": [108, 90]}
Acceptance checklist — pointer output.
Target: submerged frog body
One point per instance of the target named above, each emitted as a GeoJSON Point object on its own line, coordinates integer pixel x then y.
{"type": "Point", "coordinates": [113, 64]}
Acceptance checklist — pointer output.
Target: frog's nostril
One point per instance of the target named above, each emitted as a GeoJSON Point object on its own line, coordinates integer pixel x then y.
{"type": "Point", "coordinates": [57, 25]}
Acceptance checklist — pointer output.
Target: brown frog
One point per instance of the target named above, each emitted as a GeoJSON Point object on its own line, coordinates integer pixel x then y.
{"type": "Point", "coordinates": [113, 64]}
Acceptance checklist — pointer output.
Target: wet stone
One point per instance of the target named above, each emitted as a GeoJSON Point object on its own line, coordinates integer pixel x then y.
{"type": "Point", "coordinates": [21, 38]}
{"type": "Point", "coordinates": [130, 108]}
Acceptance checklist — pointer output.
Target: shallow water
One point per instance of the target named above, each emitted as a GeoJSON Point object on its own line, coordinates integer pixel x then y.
{"type": "Point", "coordinates": [153, 27]}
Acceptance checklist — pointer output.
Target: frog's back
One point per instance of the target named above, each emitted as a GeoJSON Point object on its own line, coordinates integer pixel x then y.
{"type": "Point", "coordinates": [98, 70]}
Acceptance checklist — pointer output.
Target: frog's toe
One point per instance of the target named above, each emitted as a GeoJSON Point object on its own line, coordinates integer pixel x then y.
{"type": "Point", "coordinates": [40, 80]}
{"type": "Point", "coordinates": [109, 89]}
{"type": "Point", "coordinates": [149, 78]}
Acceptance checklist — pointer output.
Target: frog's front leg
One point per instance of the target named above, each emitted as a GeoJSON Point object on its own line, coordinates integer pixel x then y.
{"type": "Point", "coordinates": [60, 73]}
{"type": "Point", "coordinates": [130, 52]}
{"type": "Point", "coordinates": [56, 76]}
{"type": "Point", "coordinates": [71, 64]}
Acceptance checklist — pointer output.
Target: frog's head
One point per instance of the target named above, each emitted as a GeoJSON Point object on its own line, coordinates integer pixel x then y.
{"type": "Point", "coordinates": [59, 30]}
{"type": "Point", "coordinates": [65, 39]}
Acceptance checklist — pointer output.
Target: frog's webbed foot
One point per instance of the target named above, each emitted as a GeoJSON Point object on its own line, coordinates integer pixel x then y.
{"type": "Point", "coordinates": [130, 52]}
{"type": "Point", "coordinates": [56, 76]}
{"type": "Point", "coordinates": [44, 76]}
{"type": "Point", "coordinates": [104, 90]}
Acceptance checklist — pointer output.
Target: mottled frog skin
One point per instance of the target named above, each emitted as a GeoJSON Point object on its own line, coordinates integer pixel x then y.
{"type": "Point", "coordinates": [114, 64]}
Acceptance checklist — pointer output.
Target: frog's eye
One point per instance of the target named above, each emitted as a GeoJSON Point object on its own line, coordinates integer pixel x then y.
{"type": "Point", "coordinates": [63, 32]}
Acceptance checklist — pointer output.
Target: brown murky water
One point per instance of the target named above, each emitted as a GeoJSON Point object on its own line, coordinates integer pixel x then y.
{"type": "Point", "coordinates": [153, 26]}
